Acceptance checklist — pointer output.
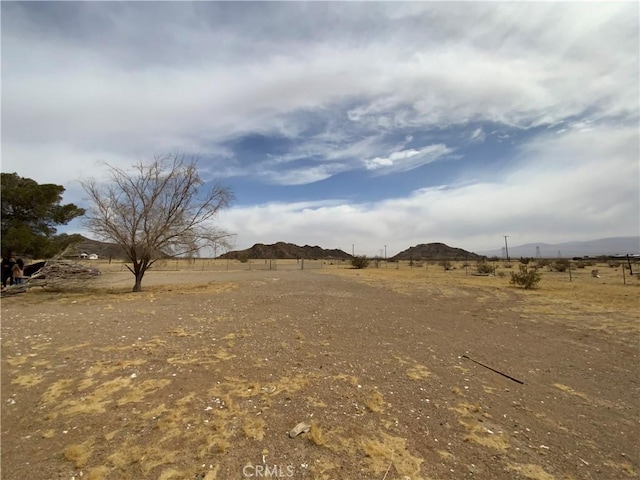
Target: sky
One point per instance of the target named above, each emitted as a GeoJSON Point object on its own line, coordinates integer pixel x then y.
{"type": "Point", "coordinates": [344, 125]}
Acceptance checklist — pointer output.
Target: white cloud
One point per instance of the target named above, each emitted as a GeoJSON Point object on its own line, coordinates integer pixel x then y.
{"type": "Point", "coordinates": [478, 135]}
{"type": "Point", "coordinates": [564, 187]}
{"type": "Point", "coordinates": [84, 82]}
{"type": "Point", "coordinates": [519, 66]}
{"type": "Point", "coordinates": [303, 176]}
{"type": "Point", "coordinates": [404, 160]}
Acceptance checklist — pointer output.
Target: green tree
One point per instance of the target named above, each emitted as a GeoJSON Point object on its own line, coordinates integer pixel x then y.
{"type": "Point", "coordinates": [158, 208]}
{"type": "Point", "coordinates": [30, 214]}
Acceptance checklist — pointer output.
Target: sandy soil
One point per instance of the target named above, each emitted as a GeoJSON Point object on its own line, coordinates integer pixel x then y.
{"type": "Point", "coordinates": [203, 375]}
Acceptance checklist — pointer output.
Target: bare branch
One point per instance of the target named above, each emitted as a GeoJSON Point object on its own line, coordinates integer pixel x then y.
{"type": "Point", "coordinates": [156, 210]}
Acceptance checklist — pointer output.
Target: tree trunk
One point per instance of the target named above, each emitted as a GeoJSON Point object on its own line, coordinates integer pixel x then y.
{"type": "Point", "coordinates": [137, 287]}
{"type": "Point", "coordinates": [139, 273]}
{"type": "Point", "coordinates": [138, 270]}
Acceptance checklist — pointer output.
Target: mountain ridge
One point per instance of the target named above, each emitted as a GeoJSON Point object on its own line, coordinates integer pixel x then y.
{"type": "Point", "coordinates": [284, 250]}
{"type": "Point", "coordinates": [598, 247]}
{"type": "Point", "coordinates": [434, 251]}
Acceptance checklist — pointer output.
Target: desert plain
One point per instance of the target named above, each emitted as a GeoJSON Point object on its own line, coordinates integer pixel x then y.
{"type": "Point", "coordinates": [397, 373]}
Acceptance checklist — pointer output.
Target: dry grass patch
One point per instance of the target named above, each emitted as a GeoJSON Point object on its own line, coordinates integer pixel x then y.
{"type": "Point", "coordinates": [132, 456]}
{"type": "Point", "coordinates": [98, 473]}
{"type": "Point", "coordinates": [375, 402]}
{"type": "Point", "coordinates": [418, 372]}
{"type": "Point", "coordinates": [108, 367]}
{"type": "Point", "coordinates": [96, 401]}
{"type": "Point", "coordinates": [555, 298]}
{"type": "Point", "coordinates": [56, 389]}
{"type": "Point", "coordinates": [103, 289]}
{"type": "Point", "coordinates": [531, 471]}
{"type": "Point", "coordinates": [27, 380]}
{"type": "Point", "coordinates": [316, 435]}
{"type": "Point", "coordinates": [73, 347]}
{"type": "Point", "coordinates": [253, 427]}
{"type": "Point", "coordinates": [78, 453]}
{"type": "Point", "coordinates": [213, 437]}
{"type": "Point", "coordinates": [390, 450]}
{"type": "Point", "coordinates": [19, 360]}
{"type": "Point", "coordinates": [490, 390]}
{"type": "Point", "coordinates": [473, 419]}
{"type": "Point", "coordinates": [222, 354]}
{"type": "Point", "coordinates": [446, 455]}
{"type": "Point", "coordinates": [316, 403]}
{"type": "Point", "coordinates": [571, 391]}
{"type": "Point", "coordinates": [624, 467]}
{"type": "Point", "coordinates": [139, 391]}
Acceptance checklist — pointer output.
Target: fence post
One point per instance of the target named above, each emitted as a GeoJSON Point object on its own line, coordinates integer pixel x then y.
{"type": "Point", "coordinates": [570, 278]}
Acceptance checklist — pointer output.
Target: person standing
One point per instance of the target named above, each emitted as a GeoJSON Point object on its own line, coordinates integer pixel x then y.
{"type": "Point", "coordinates": [7, 267]}
{"type": "Point", "coordinates": [17, 272]}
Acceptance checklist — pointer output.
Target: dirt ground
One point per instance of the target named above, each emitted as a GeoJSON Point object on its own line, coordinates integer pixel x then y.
{"type": "Point", "coordinates": [203, 376]}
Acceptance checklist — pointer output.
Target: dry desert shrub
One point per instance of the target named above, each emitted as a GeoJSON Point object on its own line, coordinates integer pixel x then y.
{"type": "Point", "coordinates": [526, 278]}
{"type": "Point", "coordinates": [361, 261]}
{"type": "Point", "coordinates": [485, 268]}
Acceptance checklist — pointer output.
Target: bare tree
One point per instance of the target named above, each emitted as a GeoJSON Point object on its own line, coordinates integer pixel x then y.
{"type": "Point", "coordinates": [156, 209]}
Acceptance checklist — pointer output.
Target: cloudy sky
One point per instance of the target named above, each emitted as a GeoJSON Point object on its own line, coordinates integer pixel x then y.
{"type": "Point", "coordinates": [340, 124]}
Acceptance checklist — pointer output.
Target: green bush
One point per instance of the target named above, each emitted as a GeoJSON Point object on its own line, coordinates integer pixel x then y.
{"type": "Point", "coordinates": [360, 261]}
{"type": "Point", "coordinates": [526, 278]}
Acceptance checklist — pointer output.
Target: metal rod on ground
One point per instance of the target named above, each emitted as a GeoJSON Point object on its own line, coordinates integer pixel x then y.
{"type": "Point", "coordinates": [494, 370]}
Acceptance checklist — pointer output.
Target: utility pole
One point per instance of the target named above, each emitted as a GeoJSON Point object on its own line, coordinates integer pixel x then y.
{"type": "Point", "coordinates": [385, 252]}
{"type": "Point", "coordinates": [353, 250]}
{"type": "Point", "coordinates": [506, 247]}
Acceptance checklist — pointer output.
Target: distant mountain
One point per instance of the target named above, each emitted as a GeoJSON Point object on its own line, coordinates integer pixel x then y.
{"type": "Point", "coordinates": [282, 250]}
{"type": "Point", "coordinates": [89, 246]}
{"type": "Point", "coordinates": [104, 250]}
{"type": "Point", "coordinates": [434, 251]}
{"type": "Point", "coordinates": [592, 248]}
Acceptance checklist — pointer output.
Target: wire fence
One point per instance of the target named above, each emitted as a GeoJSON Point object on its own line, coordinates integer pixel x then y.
{"type": "Point", "coordinates": [220, 264]}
